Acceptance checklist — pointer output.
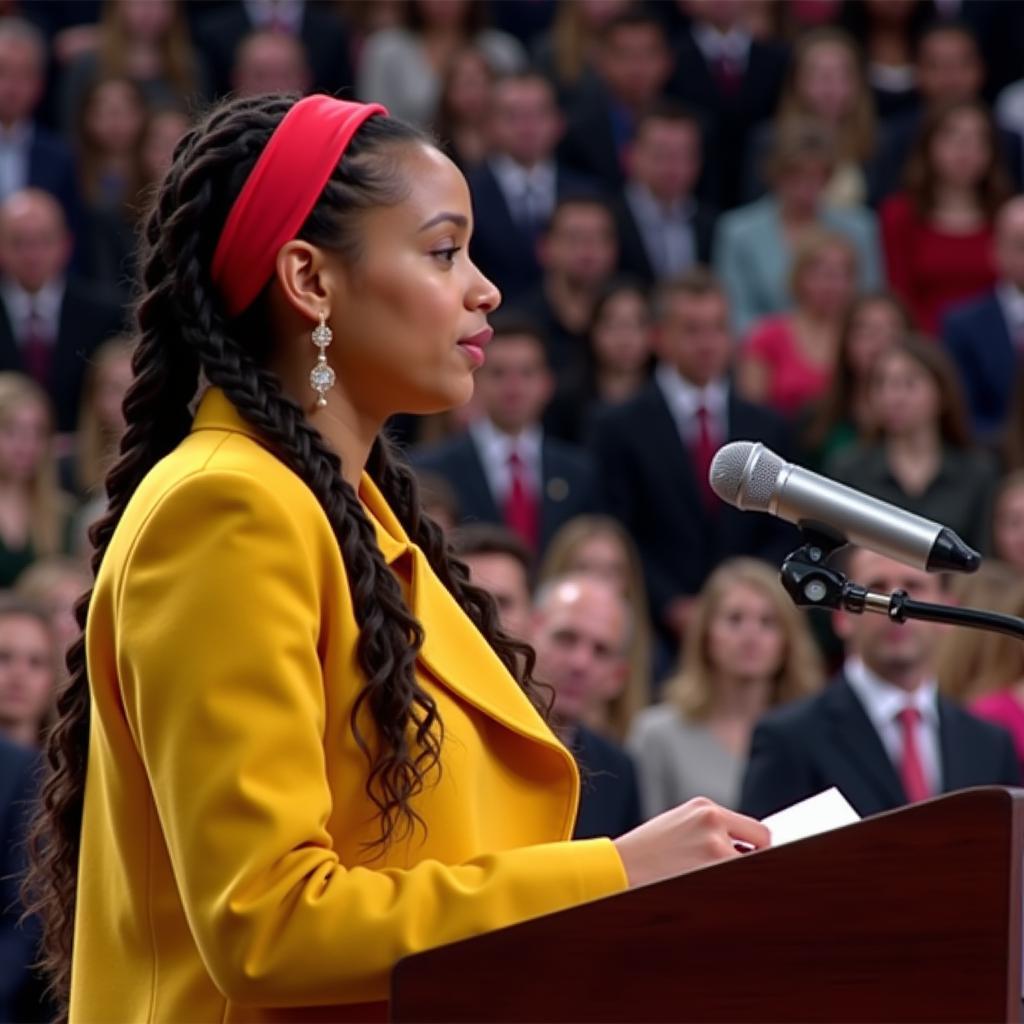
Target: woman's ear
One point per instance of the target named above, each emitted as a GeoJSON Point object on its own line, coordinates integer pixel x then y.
{"type": "Point", "coordinates": [309, 282]}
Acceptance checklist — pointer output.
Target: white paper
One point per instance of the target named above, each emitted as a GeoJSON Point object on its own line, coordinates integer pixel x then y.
{"type": "Point", "coordinates": [820, 813]}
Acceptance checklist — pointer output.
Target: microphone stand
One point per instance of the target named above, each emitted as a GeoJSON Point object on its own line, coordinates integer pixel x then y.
{"type": "Point", "coordinates": [813, 584]}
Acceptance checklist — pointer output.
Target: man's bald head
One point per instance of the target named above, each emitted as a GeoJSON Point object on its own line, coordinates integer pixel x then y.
{"type": "Point", "coordinates": [1010, 241]}
{"type": "Point", "coordinates": [581, 629]}
{"type": "Point", "coordinates": [35, 246]}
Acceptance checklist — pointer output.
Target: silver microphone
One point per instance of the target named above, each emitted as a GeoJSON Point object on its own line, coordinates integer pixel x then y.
{"type": "Point", "coordinates": [754, 478]}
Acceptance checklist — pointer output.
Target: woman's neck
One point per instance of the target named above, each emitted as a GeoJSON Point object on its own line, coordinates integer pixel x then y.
{"type": "Point", "coordinates": [818, 333]}
{"type": "Point", "coordinates": [143, 58]}
{"type": "Point", "coordinates": [616, 385]}
{"type": "Point", "coordinates": [956, 197]}
{"type": "Point", "coordinates": [919, 442]}
{"type": "Point", "coordinates": [956, 209]}
{"type": "Point", "coordinates": [888, 46]}
{"type": "Point", "coordinates": [739, 699]}
{"type": "Point", "coordinates": [796, 218]}
{"type": "Point", "coordinates": [25, 734]}
{"type": "Point", "coordinates": [348, 432]}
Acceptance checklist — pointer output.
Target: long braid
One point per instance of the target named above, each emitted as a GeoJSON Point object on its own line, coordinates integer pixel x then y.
{"type": "Point", "coordinates": [156, 415]}
{"type": "Point", "coordinates": [389, 636]}
{"type": "Point", "coordinates": [398, 485]}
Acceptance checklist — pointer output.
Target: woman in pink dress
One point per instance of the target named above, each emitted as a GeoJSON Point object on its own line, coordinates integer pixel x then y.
{"type": "Point", "coordinates": [788, 360]}
{"type": "Point", "coordinates": [986, 670]}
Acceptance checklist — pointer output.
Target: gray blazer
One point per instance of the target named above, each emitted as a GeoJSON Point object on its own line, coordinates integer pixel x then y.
{"type": "Point", "coordinates": [753, 261]}
{"type": "Point", "coordinates": [677, 759]}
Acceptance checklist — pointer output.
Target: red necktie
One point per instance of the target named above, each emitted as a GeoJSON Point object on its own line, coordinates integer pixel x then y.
{"type": "Point", "coordinates": [728, 75]}
{"type": "Point", "coordinates": [37, 349]}
{"type": "Point", "coordinates": [911, 769]}
{"type": "Point", "coordinates": [703, 451]}
{"type": "Point", "coordinates": [520, 505]}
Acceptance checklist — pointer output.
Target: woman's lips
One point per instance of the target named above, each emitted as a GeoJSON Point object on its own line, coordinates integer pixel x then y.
{"type": "Point", "coordinates": [473, 345]}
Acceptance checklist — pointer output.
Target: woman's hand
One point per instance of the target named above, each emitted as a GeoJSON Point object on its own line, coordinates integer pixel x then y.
{"type": "Point", "coordinates": [689, 836]}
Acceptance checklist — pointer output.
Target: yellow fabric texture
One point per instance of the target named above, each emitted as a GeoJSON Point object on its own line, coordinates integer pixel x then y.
{"type": "Point", "coordinates": [224, 874]}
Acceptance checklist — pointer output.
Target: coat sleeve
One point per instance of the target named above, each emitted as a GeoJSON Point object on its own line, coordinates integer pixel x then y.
{"type": "Point", "coordinates": [776, 776]}
{"type": "Point", "coordinates": [217, 653]}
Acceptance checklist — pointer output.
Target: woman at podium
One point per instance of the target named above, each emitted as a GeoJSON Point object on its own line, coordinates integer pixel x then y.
{"type": "Point", "coordinates": [296, 746]}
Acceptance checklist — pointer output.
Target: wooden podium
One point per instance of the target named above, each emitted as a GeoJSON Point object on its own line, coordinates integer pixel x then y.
{"type": "Point", "coordinates": [914, 915]}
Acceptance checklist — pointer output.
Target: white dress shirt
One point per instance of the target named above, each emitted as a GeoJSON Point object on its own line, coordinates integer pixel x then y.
{"type": "Point", "coordinates": [494, 448]}
{"type": "Point", "coordinates": [282, 14]}
{"type": "Point", "coordinates": [732, 46]}
{"type": "Point", "coordinates": [667, 231]}
{"type": "Point", "coordinates": [15, 144]}
{"type": "Point", "coordinates": [883, 702]}
{"type": "Point", "coordinates": [684, 399]}
{"type": "Point", "coordinates": [20, 304]}
{"type": "Point", "coordinates": [528, 191]}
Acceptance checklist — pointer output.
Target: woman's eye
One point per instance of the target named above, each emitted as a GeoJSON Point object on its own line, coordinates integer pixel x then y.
{"type": "Point", "coordinates": [447, 255]}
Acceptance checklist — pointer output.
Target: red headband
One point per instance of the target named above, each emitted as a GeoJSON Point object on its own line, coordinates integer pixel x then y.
{"type": "Point", "coordinates": [280, 192]}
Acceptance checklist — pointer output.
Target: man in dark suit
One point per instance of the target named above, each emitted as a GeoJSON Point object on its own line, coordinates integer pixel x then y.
{"type": "Point", "coordinates": [985, 336]}
{"type": "Point", "coordinates": [880, 732]}
{"type": "Point", "coordinates": [505, 469]}
{"type": "Point", "coordinates": [515, 189]}
{"type": "Point", "coordinates": [634, 62]}
{"type": "Point", "coordinates": [949, 68]}
{"type": "Point", "coordinates": [580, 632]}
{"type": "Point", "coordinates": [50, 324]}
{"type": "Point", "coordinates": [655, 452]}
{"type": "Point", "coordinates": [733, 81]}
{"type": "Point", "coordinates": [21, 991]}
{"type": "Point", "coordinates": [316, 26]}
{"type": "Point", "coordinates": [578, 253]}
{"type": "Point", "coordinates": [30, 156]}
{"type": "Point", "coordinates": [664, 229]}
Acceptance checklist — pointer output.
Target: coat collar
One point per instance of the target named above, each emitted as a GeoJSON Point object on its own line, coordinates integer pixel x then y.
{"type": "Point", "coordinates": [454, 651]}
{"type": "Point", "coordinates": [217, 412]}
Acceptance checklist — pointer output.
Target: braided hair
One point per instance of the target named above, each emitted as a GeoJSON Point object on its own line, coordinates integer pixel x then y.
{"type": "Point", "coordinates": [184, 337]}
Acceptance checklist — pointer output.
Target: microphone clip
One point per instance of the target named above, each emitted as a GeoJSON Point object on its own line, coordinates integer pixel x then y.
{"type": "Point", "coordinates": [811, 583]}
{"type": "Point", "coordinates": [808, 580]}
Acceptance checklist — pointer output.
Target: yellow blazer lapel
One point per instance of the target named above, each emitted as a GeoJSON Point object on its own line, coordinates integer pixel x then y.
{"type": "Point", "coordinates": [453, 648]}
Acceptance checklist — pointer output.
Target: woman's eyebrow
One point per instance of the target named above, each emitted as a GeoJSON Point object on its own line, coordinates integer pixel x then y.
{"type": "Point", "coordinates": [456, 218]}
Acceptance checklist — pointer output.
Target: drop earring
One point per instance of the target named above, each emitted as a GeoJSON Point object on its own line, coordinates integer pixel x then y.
{"type": "Point", "coordinates": [321, 377]}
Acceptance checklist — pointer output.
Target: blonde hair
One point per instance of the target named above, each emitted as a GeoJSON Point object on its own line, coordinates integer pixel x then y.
{"type": "Point", "coordinates": [813, 242]}
{"type": "Point", "coordinates": [560, 561]}
{"type": "Point", "coordinates": [95, 444]}
{"type": "Point", "coordinates": [572, 40]}
{"type": "Point", "coordinates": [973, 662]}
{"type": "Point", "coordinates": [39, 580]}
{"type": "Point", "coordinates": [802, 671]}
{"type": "Point", "coordinates": [855, 141]}
{"type": "Point", "coordinates": [48, 504]}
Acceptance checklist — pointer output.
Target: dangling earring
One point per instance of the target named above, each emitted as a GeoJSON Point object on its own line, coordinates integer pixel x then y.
{"type": "Point", "coordinates": [321, 377]}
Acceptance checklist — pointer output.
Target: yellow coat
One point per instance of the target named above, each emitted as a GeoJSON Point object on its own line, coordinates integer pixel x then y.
{"type": "Point", "coordinates": [223, 875]}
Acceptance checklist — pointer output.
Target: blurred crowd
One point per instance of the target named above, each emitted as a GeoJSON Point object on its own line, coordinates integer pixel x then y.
{"type": "Point", "coordinates": [793, 221]}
